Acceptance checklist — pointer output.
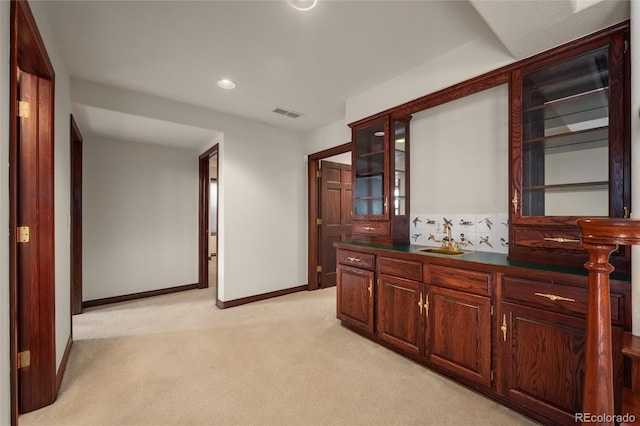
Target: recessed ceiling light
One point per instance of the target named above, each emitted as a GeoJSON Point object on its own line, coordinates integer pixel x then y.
{"type": "Point", "coordinates": [378, 134]}
{"type": "Point", "coordinates": [225, 83]}
{"type": "Point", "coordinates": [303, 5]}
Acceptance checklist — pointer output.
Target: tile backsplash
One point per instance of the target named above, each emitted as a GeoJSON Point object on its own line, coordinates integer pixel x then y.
{"type": "Point", "coordinates": [475, 232]}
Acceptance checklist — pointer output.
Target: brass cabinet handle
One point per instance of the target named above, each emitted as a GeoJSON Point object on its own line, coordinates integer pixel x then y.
{"type": "Point", "coordinates": [514, 201]}
{"type": "Point", "coordinates": [353, 259]}
{"type": "Point", "coordinates": [554, 298]}
{"type": "Point", "coordinates": [562, 240]}
{"type": "Point", "coordinates": [504, 327]}
{"type": "Point", "coordinates": [369, 228]}
{"type": "Point", "coordinates": [426, 304]}
{"type": "Point", "coordinates": [371, 288]}
{"type": "Point", "coordinates": [421, 303]}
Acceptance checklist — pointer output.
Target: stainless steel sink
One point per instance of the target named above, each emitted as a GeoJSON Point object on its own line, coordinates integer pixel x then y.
{"type": "Point", "coordinates": [446, 251]}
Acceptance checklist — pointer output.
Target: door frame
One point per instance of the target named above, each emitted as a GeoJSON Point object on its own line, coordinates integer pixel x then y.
{"type": "Point", "coordinates": [203, 220]}
{"type": "Point", "coordinates": [29, 53]}
{"type": "Point", "coordinates": [76, 217]}
{"type": "Point", "coordinates": [313, 167]}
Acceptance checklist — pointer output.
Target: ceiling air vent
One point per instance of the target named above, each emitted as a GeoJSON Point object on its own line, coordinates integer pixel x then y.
{"type": "Point", "coordinates": [287, 112]}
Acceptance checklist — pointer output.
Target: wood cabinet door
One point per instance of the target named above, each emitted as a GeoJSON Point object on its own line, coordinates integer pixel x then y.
{"type": "Point", "coordinates": [400, 309]}
{"type": "Point", "coordinates": [458, 333]}
{"type": "Point", "coordinates": [541, 360]}
{"type": "Point", "coordinates": [355, 297]}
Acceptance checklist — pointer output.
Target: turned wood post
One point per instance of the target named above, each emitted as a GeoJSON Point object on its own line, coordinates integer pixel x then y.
{"type": "Point", "coordinates": [598, 383]}
{"type": "Point", "coordinates": [601, 237]}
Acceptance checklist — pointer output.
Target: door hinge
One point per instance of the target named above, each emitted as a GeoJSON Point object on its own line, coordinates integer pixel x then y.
{"type": "Point", "coordinates": [23, 234]}
{"type": "Point", "coordinates": [318, 268]}
{"type": "Point", "coordinates": [24, 359]}
{"type": "Point", "coordinates": [492, 375]}
{"type": "Point", "coordinates": [318, 174]}
{"type": "Point", "coordinates": [493, 310]}
{"type": "Point", "coordinates": [318, 221]}
{"type": "Point", "coordinates": [23, 109]}
{"type": "Point", "coordinates": [626, 46]}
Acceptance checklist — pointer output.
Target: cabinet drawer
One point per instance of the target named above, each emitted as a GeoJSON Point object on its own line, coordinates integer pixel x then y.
{"type": "Point", "coordinates": [353, 258]}
{"type": "Point", "coordinates": [400, 268]}
{"type": "Point", "coordinates": [556, 297]}
{"type": "Point", "coordinates": [535, 238]}
{"type": "Point", "coordinates": [370, 228]}
{"type": "Point", "coordinates": [461, 279]}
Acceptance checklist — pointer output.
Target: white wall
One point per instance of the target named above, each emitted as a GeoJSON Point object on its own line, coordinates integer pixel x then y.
{"type": "Point", "coordinates": [140, 217]}
{"type": "Point", "coordinates": [262, 240]}
{"type": "Point", "coordinates": [459, 155]}
{"type": "Point", "coordinates": [263, 235]}
{"type": "Point", "coordinates": [328, 136]}
{"type": "Point", "coordinates": [470, 60]}
{"type": "Point", "coordinates": [5, 390]}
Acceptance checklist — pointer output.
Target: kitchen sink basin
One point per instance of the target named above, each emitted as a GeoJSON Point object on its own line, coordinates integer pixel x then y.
{"type": "Point", "coordinates": [446, 251]}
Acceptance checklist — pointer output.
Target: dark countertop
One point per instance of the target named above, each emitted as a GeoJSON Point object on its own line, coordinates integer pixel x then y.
{"type": "Point", "coordinates": [484, 258]}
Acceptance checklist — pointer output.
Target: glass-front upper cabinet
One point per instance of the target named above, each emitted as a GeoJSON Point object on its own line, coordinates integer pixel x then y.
{"type": "Point", "coordinates": [381, 179]}
{"type": "Point", "coordinates": [569, 147]}
{"type": "Point", "coordinates": [369, 156]}
{"type": "Point", "coordinates": [400, 181]}
{"type": "Point", "coordinates": [565, 138]}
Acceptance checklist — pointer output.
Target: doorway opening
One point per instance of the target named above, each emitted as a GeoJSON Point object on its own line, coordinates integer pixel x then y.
{"type": "Point", "coordinates": [208, 223]}
{"type": "Point", "coordinates": [329, 179]}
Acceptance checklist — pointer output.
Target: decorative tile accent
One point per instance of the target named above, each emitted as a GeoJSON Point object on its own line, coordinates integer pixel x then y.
{"type": "Point", "coordinates": [475, 232]}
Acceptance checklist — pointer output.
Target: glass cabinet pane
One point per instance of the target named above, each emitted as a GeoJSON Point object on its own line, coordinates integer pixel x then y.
{"type": "Point", "coordinates": [565, 131]}
{"type": "Point", "coordinates": [369, 170]}
{"type": "Point", "coordinates": [400, 180]}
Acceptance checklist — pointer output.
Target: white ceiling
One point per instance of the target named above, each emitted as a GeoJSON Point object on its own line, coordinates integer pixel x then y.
{"type": "Point", "coordinates": [122, 126]}
{"type": "Point", "coordinates": [309, 62]}
{"type": "Point", "coordinates": [527, 27]}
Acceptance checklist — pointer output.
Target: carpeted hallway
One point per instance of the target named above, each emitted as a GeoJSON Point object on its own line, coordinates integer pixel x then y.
{"type": "Point", "coordinates": [178, 360]}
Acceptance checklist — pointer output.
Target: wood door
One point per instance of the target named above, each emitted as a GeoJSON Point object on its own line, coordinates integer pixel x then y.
{"type": "Point", "coordinates": [335, 207]}
{"type": "Point", "coordinates": [400, 313]}
{"type": "Point", "coordinates": [31, 182]}
{"type": "Point", "coordinates": [34, 256]}
{"type": "Point", "coordinates": [355, 297]}
{"type": "Point", "coordinates": [76, 219]}
{"type": "Point", "coordinates": [458, 336]}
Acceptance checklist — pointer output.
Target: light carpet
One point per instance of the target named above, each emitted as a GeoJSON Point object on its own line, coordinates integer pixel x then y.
{"type": "Point", "coordinates": [178, 360]}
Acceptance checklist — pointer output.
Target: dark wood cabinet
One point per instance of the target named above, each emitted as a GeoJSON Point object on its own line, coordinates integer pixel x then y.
{"type": "Point", "coordinates": [400, 305]}
{"type": "Point", "coordinates": [514, 332]}
{"type": "Point", "coordinates": [400, 313]}
{"type": "Point", "coordinates": [542, 360]}
{"type": "Point", "coordinates": [448, 328]}
{"type": "Point", "coordinates": [569, 149]}
{"type": "Point", "coordinates": [355, 289]}
{"type": "Point", "coordinates": [458, 332]}
{"type": "Point", "coordinates": [540, 346]}
{"type": "Point", "coordinates": [380, 160]}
